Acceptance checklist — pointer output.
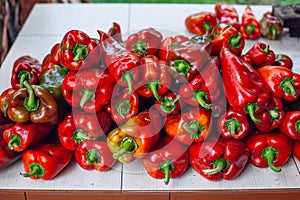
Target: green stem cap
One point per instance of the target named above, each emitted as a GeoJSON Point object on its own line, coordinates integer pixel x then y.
{"type": "Point", "coordinates": [14, 140]}
{"type": "Point", "coordinates": [22, 76]}
{"type": "Point", "coordinates": [80, 51]}
{"type": "Point", "coordinates": [251, 108]}
{"type": "Point", "coordinates": [206, 26]}
{"type": "Point", "coordinates": [30, 102]}
{"type": "Point", "coordinates": [194, 128]}
{"type": "Point", "coordinates": [80, 135]}
{"type": "Point", "coordinates": [250, 29]}
{"type": "Point", "coordinates": [128, 78]}
{"type": "Point", "coordinates": [140, 47]}
{"type": "Point", "coordinates": [128, 145]}
{"type": "Point", "coordinates": [269, 154]}
{"type": "Point", "coordinates": [86, 95]}
{"type": "Point", "coordinates": [287, 86]}
{"type": "Point", "coordinates": [235, 41]}
{"type": "Point", "coordinates": [274, 32]}
{"type": "Point", "coordinates": [168, 105]}
{"type": "Point", "coordinates": [153, 86]}
{"type": "Point", "coordinates": [35, 170]}
{"type": "Point", "coordinates": [200, 97]}
{"type": "Point", "coordinates": [233, 126]}
{"type": "Point", "coordinates": [92, 157]}
{"type": "Point", "coordinates": [218, 165]}
{"type": "Point", "coordinates": [182, 67]}
{"type": "Point", "coordinates": [123, 107]}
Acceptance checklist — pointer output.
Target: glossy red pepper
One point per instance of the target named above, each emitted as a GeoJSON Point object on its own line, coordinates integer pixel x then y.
{"type": "Point", "coordinates": [245, 89]}
{"type": "Point", "coordinates": [85, 89]}
{"type": "Point", "coordinates": [250, 27]}
{"type": "Point", "coordinates": [281, 81]}
{"type": "Point", "coordinates": [227, 14]}
{"type": "Point", "coordinates": [261, 55]}
{"type": "Point", "coordinates": [269, 149]}
{"type": "Point", "coordinates": [271, 26]}
{"type": "Point", "coordinates": [296, 149]}
{"type": "Point", "coordinates": [93, 154]}
{"type": "Point", "coordinates": [115, 32]}
{"type": "Point", "coordinates": [170, 104]}
{"type": "Point", "coordinates": [45, 161]}
{"type": "Point", "coordinates": [79, 126]}
{"type": "Point", "coordinates": [291, 124]}
{"type": "Point", "coordinates": [7, 156]}
{"type": "Point", "coordinates": [168, 159]}
{"type": "Point", "coordinates": [25, 68]}
{"type": "Point", "coordinates": [201, 23]}
{"type": "Point", "coordinates": [144, 42]}
{"type": "Point", "coordinates": [189, 127]}
{"type": "Point", "coordinates": [283, 60]}
{"type": "Point", "coordinates": [221, 159]}
{"type": "Point", "coordinates": [53, 58]}
{"type": "Point", "coordinates": [75, 48]}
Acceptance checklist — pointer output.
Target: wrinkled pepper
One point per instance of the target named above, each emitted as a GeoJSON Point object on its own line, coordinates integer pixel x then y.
{"type": "Point", "coordinates": [250, 27]}
{"type": "Point", "coordinates": [221, 159]}
{"type": "Point", "coordinates": [45, 161]}
{"type": "Point", "coordinates": [93, 154]}
{"type": "Point", "coordinates": [135, 137]}
{"type": "Point", "coordinates": [189, 127]}
{"type": "Point", "coordinates": [245, 89]}
{"type": "Point", "coordinates": [168, 159]}
{"type": "Point", "coordinates": [25, 68]}
{"type": "Point", "coordinates": [78, 126]}
{"type": "Point", "coordinates": [291, 124]}
{"type": "Point", "coordinates": [261, 55]}
{"type": "Point", "coordinates": [269, 149]}
{"type": "Point", "coordinates": [53, 58]}
{"type": "Point", "coordinates": [201, 23]}
{"type": "Point", "coordinates": [283, 60]}
{"type": "Point", "coordinates": [296, 149]}
{"type": "Point", "coordinates": [281, 81]}
{"type": "Point", "coordinates": [270, 26]}
{"type": "Point", "coordinates": [227, 14]}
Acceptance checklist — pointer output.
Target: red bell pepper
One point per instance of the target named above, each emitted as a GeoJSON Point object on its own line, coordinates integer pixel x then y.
{"type": "Point", "coordinates": [250, 27]}
{"type": "Point", "coordinates": [7, 156]}
{"type": "Point", "coordinates": [261, 55]}
{"type": "Point", "coordinates": [167, 45]}
{"type": "Point", "coordinates": [115, 32]}
{"type": "Point", "coordinates": [283, 60]}
{"type": "Point", "coordinates": [227, 14]}
{"type": "Point", "coordinates": [79, 126]}
{"type": "Point", "coordinates": [201, 23]}
{"type": "Point", "coordinates": [25, 68]}
{"type": "Point", "coordinates": [93, 154]}
{"type": "Point", "coordinates": [244, 87]}
{"type": "Point", "coordinates": [168, 159]}
{"type": "Point", "coordinates": [135, 137]}
{"type": "Point", "coordinates": [156, 80]}
{"type": "Point", "coordinates": [85, 89]}
{"type": "Point", "coordinates": [189, 127]}
{"type": "Point", "coordinates": [144, 42]}
{"type": "Point", "coordinates": [271, 26]}
{"type": "Point", "coordinates": [169, 104]}
{"type": "Point", "coordinates": [45, 161]}
{"type": "Point", "coordinates": [233, 125]}
{"type": "Point", "coordinates": [219, 159]}
{"type": "Point", "coordinates": [281, 81]}
{"type": "Point", "coordinates": [269, 149]}
{"type": "Point", "coordinates": [291, 124]}
{"type": "Point", "coordinates": [53, 58]}
{"type": "Point", "coordinates": [121, 63]}
{"type": "Point", "coordinates": [75, 48]}
{"type": "Point", "coordinates": [296, 149]}
{"type": "Point", "coordinates": [20, 136]}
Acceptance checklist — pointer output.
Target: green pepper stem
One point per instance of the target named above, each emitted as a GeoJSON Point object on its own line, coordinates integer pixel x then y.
{"type": "Point", "coordinates": [287, 86]}
{"type": "Point", "coordinates": [233, 126]}
{"type": "Point", "coordinates": [297, 126]}
{"type": "Point", "coordinates": [269, 155]}
{"type": "Point", "coordinates": [266, 49]}
{"type": "Point", "coordinates": [274, 114]}
{"type": "Point", "coordinates": [30, 102]}
{"type": "Point", "coordinates": [182, 67]}
{"type": "Point", "coordinates": [92, 156]}
{"type": "Point", "coordinates": [168, 105]}
{"type": "Point", "coordinates": [274, 32]}
{"type": "Point", "coordinates": [234, 41]}
{"type": "Point", "coordinates": [194, 128]}
{"type": "Point", "coordinates": [250, 109]}
{"type": "Point", "coordinates": [35, 170]}
{"type": "Point", "coordinates": [123, 107]}
{"type": "Point", "coordinates": [86, 95]}
{"type": "Point", "coordinates": [14, 140]}
{"type": "Point", "coordinates": [166, 168]}
{"type": "Point", "coordinates": [80, 51]}
{"type": "Point", "coordinates": [218, 165]}
{"type": "Point", "coordinates": [250, 29]}
{"type": "Point", "coordinates": [200, 95]}
{"type": "Point", "coordinates": [128, 146]}
{"type": "Point", "coordinates": [140, 47]}
{"type": "Point", "coordinates": [153, 86]}
{"type": "Point", "coordinates": [206, 26]}
{"type": "Point", "coordinates": [128, 78]}
{"type": "Point", "coordinates": [22, 76]}
{"type": "Point", "coordinates": [80, 135]}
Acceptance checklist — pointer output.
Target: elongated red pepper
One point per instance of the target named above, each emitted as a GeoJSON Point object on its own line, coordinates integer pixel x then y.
{"type": "Point", "coordinates": [281, 81]}
{"type": "Point", "coordinates": [219, 159]}
{"type": "Point", "coordinates": [189, 127]}
{"type": "Point", "coordinates": [250, 27]}
{"type": "Point", "coordinates": [144, 42]}
{"type": "Point", "coordinates": [115, 32]}
{"type": "Point", "coordinates": [260, 55]}
{"type": "Point", "coordinates": [79, 126]}
{"type": "Point", "coordinates": [291, 124]}
{"type": "Point", "coordinates": [233, 125]}
{"type": "Point", "coordinates": [201, 23]}
{"type": "Point", "coordinates": [53, 58]}
{"type": "Point", "coordinates": [169, 104]}
{"type": "Point", "coordinates": [85, 89]}
{"type": "Point", "coordinates": [75, 48]}
{"type": "Point", "coordinates": [156, 80]}
{"type": "Point", "coordinates": [245, 89]}
{"type": "Point", "coordinates": [296, 149]}
{"type": "Point", "coordinates": [271, 26]}
{"type": "Point", "coordinates": [20, 136]}
{"type": "Point", "coordinates": [269, 149]}
{"type": "Point", "coordinates": [25, 68]}
{"type": "Point", "coordinates": [227, 14]}
{"type": "Point", "coordinates": [283, 60]}
{"type": "Point", "coordinates": [93, 154]}
{"type": "Point", "coordinates": [168, 159]}
{"type": "Point", "coordinates": [45, 161]}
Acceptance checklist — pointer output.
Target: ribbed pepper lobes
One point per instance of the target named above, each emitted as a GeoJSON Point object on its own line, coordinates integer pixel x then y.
{"type": "Point", "coordinates": [233, 125]}
{"type": "Point", "coordinates": [281, 81]}
{"type": "Point", "coordinates": [135, 137]}
{"type": "Point", "coordinates": [144, 42]}
{"type": "Point", "coordinates": [227, 14]}
{"type": "Point", "coordinates": [4, 100]}
{"type": "Point", "coordinates": [291, 124]}
{"type": "Point", "coordinates": [250, 27]}
{"type": "Point", "coordinates": [93, 154]}
{"type": "Point", "coordinates": [53, 58]}
{"type": "Point", "coordinates": [270, 26]}
{"type": "Point", "coordinates": [85, 89]}
{"type": "Point", "coordinates": [78, 126]}
{"type": "Point", "coordinates": [296, 149]}
{"type": "Point", "coordinates": [121, 63]}
{"type": "Point", "coordinates": [45, 161]}
{"type": "Point", "coordinates": [25, 68]}
{"type": "Point", "coordinates": [221, 159]}
{"type": "Point", "coordinates": [115, 32]}
{"type": "Point", "coordinates": [76, 46]}
{"type": "Point", "coordinates": [169, 104]}
{"type": "Point", "coordinates": [260, 55]}
{"type": "Point", "coordinates": [189, 127]}
{"type": "Point", "coordinates": [269, 149]}
{"type": "Point", "coordinates": [168, 159]}
{"type": "Point", "coordinates": [283, 60]}
{"type": "Point", "coordinates": [32, 104]}
{"type": "Point", "coordinates": [156, 80]}
{"type": "Point", "coordinates": [201, 23]}
{"type": "Point", "coordinates": [20, 136]}
{"type": "Point", "coordinates": [245, 89]}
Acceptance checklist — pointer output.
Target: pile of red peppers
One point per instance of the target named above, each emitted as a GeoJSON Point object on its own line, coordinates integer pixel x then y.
{"type": "Point", "coordinates": [176, 102]}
